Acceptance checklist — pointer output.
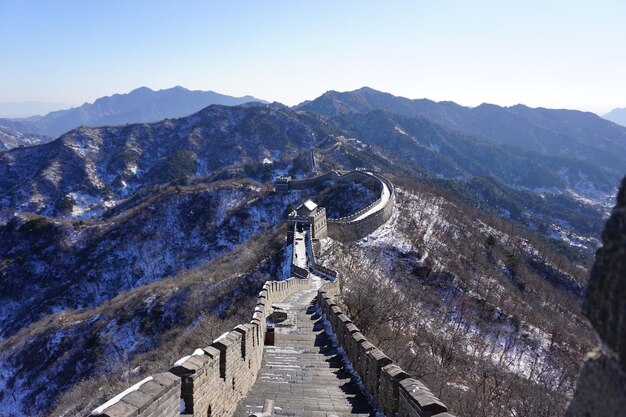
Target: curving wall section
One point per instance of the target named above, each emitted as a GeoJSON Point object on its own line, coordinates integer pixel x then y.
{"type": "Point", "coordinates": [360, 224]}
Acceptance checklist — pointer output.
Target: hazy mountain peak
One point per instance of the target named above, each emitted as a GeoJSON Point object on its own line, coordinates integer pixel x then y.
{"type": "Point", "coordinates": [142, 89]}
{"type": "Point", "coordinates": [574, 134]}
{"type": "Point", "coordinates": [141, 105]}
{"type": "Point", "coordinates": [617, 116]}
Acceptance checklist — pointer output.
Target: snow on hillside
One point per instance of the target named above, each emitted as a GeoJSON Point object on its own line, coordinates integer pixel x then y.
{"type": "Point", "coordinates": [469, 291]}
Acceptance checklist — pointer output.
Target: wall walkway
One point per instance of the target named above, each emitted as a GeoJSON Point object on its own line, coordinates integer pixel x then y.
{"type": "Point", "coordinates": [303, 372]}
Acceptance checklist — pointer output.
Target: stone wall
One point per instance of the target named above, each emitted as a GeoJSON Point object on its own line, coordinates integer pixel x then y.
{"type": "Point", "coordinates": [155, 396]}
{"type": "Point", "coordinates": [601, 385]}
{"type": "Point", "coordinates": [395, 392]}
{"type": "Point", "coordinates": [346, 229]}
{"type": "Point", "coordinates": [318, 181]}
{"type": "Point", "coordinates": [213, 379]}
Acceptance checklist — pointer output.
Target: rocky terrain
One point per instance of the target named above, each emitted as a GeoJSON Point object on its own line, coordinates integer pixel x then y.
{"type": "Point", "coordinates": [604, 372]}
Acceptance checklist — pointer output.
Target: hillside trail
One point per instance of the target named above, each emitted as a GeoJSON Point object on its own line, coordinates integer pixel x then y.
{"type": "Point", "coordinates": [302, 372]}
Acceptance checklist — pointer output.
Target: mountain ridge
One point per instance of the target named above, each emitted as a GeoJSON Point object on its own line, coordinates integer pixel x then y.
{"type": "Point", "coordinates": [572, 133]}
{"type": "Point", "coordinates": [114, 213]}
{"type": "Point", "coordinates": [141, 105]}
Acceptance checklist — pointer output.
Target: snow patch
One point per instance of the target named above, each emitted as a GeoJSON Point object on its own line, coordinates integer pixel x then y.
{"type": "Point", "coordinates": [119, 396]}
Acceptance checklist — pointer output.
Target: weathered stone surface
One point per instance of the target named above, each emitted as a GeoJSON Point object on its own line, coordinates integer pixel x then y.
{"type": "Point", "coordinates": [120, 409]}
{"type": "Point", "coordinates": [302, 373]}
{"type": "Point", "coordinates": [601, 388]}
{"type": "Point", "coordinates": [153, 389]}
{"type": "Point", "coordinates": [278, 314]}
{"type": "Point", "coordinates": [601, 385]}
{"type": "Point", "coordinates": [605, 303]}
{"type": "Point", "coordinates": [167, 379]}
{"type": "Point", "coordinates": [138, 400]}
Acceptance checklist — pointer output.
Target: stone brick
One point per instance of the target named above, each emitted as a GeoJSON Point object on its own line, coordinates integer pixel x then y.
{"type": "Point", "coordinates": [353, 348]}
{"type": "Point", "coordinates": [120, 409]}
{"type": "Point", "coordinates": [139, 400]}
{"type": "Point", "coordinates": [167, 379]}
{"type": "Point", "coordinates": [414, 395]}
{"type": "Point", "coordinates": [375, 361]}
{"type": "Point", "coordinates": [388, 381]}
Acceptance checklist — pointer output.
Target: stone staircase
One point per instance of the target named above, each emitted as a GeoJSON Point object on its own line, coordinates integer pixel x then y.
{"type": "Point", "coordinates": [303, 372]}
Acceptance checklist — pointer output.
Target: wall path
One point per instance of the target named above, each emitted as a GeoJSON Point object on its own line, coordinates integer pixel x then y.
{"type": "Point", "coordinates": [302, 372]}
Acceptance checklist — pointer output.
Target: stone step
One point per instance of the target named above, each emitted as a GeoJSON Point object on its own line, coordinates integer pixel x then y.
{"type": "Point", "coordinates": [302, 373]}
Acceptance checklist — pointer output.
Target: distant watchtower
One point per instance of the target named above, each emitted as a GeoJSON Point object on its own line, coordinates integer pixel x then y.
{"type": "Point", "coordinates": [282, 184]}
{"type": "Point", "coordinates": [309, 213]}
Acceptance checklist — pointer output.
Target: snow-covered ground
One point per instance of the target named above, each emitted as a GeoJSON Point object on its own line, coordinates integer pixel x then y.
{"type": "Point", "coordinates": [300, 258]}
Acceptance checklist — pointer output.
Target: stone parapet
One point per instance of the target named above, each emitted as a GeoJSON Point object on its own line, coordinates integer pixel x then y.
{"type": "Point", "coordinates": [212, 380]}
{"type": "Point", "coordinates": [395, 392]}
{"type": "Point", "coordinates": [348, 229]}
{"type": "Point", "coordinates": [155, 396]}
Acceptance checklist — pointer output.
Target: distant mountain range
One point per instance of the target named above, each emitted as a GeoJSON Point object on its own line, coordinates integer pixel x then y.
{"type": "Point", "coordinates": [141, 105]}
{"type": "Point", "coordinates": [492, 155]}
{"type": "Point", "coordinates": [93, 167]}
{"type": "Point", "coordinates": [573, 134]}
{"type": "Point", "coordinates": [617, 116]}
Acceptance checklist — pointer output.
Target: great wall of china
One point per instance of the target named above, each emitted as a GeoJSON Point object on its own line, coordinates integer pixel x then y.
{"type": "Point", "coordinates": [300, 355]}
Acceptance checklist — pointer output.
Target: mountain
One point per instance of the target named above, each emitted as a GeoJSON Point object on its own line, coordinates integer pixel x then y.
{"type": "Point", "coordinates": [453, 154]}
{"type": "Point", "coordinates": [121, 247]}
{"type": "Point", "coordinates": [617, 116]}
{"type": "Point", "coordinates": [94, 167]}
{"type": "Point", "coordinates": [141, 105]}
{"type": "Point", "coordinates": [573, 134]}
{"type": "Point", "coordinates": [89, 171]}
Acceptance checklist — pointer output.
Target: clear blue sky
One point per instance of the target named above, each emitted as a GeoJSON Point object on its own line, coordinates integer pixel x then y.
{"type": "Point", "coordinates": [569, 54]}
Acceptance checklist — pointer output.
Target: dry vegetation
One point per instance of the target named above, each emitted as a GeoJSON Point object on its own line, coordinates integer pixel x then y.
{"type": "Point", "coordinates": [485, 313]}
{"type": "Point", "coordinates": [167, 320]}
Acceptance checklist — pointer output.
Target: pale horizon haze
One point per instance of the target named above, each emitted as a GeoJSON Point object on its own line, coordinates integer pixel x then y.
{"type": "Point", "coordinates": [557, 54]}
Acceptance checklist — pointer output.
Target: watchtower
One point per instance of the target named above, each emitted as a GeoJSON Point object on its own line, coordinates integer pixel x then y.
{"type": "Point", "coordinates": [309, 213]}
{"type": "Point", "coordinates": [282, 184]}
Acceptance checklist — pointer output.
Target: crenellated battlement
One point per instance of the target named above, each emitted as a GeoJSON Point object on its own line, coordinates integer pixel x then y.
{"type": "Point", "coordinates": [212, 380]}
{"type": "Point", "coordinates": [395, 392]}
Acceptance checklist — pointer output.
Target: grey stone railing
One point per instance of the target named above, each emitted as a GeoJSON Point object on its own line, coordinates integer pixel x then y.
{"type": "Point", "coordinates": [395, 392]}
{"type": "Point", "coordinates": [347, 229]}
